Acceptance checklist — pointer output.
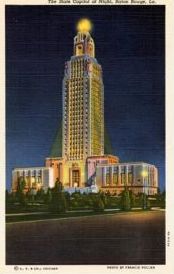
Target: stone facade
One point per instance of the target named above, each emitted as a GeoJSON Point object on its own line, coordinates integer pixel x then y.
{"type": "Point", "coordinates": [138, 177]}
{"type": "Point", "coordinates": [35, 178]}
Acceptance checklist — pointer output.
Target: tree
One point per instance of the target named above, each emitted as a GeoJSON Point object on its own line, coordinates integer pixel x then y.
{"type": "Point", "coordinates": [68, 198]}
{"type": "Point", "coordinates": [144, 202]}
{"type": "Point", "coordinates": [104, 198]}
{"type": "Point", "coordinates": [163, 199]}
{"type": "Point", "coordinates": [58, 201]}
{"type": "Point", "coordinates": [20, 191]}
{"type": "Point", "coordinates": [125, 200]}
{"type": "Point", "coordinates": [7, 197]}
{"type": "Point", "coordinates": [21, 184]}
{"type": "Point", "coordinates": [40, 195]}
{"type": "Point", "coordinates": [158, 191]}
{"type": "Point", "coordinates": [48, 196]}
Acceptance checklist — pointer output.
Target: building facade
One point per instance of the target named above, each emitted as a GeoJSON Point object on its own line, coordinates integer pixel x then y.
{"type": "Point", "coordinates": [35, 178]}
{"type": "Point", "coordinates": [138, 177]}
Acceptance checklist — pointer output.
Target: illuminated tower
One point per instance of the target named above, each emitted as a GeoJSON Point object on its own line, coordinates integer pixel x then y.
{"type": "Point", "coordinates": [83, 126]}
{"type": "Point", "coordinates": [83, 162]}
{"type": "Point", "coordinates": [83, 100]}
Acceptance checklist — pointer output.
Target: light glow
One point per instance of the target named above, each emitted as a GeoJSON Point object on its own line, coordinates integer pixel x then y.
{"type": "Point", "coordinates": [84, 25]}
{"type": "Point", "coordinates": [144, 173]}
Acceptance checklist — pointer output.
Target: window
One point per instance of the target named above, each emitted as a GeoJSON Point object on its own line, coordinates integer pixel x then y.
{"type": "Point", "coordinates": [130, 178]}
{"type": "Point", "coordinates": [123, 178]}
{"type": "Point", "coordinates": [107, 179]}
{"type": "Point", "coordinates": [115, 179]}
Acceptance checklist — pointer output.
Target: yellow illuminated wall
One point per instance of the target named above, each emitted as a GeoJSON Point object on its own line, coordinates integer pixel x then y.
{"type": "Point", "coordinates": [96, 115]}
{"type": "Point", "coordinates": [83, 107]}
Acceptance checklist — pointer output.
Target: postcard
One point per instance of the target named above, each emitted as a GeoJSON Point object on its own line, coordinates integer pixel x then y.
{"type": "Point", "coordinates": [86, 136]}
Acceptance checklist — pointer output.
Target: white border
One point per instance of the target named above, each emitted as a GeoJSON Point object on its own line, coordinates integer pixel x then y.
{"type": "Point", "coordinates": [160, 269]}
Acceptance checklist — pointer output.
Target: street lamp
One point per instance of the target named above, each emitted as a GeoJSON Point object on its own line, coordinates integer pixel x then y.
{"type": "Point", "coordinates": [144, 175]}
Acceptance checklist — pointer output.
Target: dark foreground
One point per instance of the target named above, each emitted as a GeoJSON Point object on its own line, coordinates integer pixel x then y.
{"type": "Point", "coordinates": [129, 238]}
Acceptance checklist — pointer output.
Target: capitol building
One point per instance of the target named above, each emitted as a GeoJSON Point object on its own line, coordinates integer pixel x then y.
{"type": "Point", "coordinates": [84, 166]}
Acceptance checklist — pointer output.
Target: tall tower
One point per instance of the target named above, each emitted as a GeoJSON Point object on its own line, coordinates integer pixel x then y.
{"type": "Point", "coordinates": [83, 103]}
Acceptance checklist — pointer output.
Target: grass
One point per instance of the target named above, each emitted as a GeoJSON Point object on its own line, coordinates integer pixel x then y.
{"type": "Point", "coordinates": [26, 209]}
{"type": "Point", "coordinates": [20, 218]}
{"type": "Point", "coordinates": [51, 216]}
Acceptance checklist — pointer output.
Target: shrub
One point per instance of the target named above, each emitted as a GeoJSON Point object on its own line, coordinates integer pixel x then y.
{"type": "Point", "coordinates": [132, 199]}
{"type": "Point", "coordinates": [98, 205]}
{"type": "Point", "coordinates": [58, 203]}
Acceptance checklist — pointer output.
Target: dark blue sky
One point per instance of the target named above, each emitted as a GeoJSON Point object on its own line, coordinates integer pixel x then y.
{"type": "Point", "coordinates": [130, 46]}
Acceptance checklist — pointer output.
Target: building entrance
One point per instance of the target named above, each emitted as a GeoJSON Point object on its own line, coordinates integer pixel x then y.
{"type": "Point", "coordinates": [76, 178]}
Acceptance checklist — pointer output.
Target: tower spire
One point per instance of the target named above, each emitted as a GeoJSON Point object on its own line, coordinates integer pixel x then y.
{"type": "Point", "coordinates": [83, 42]}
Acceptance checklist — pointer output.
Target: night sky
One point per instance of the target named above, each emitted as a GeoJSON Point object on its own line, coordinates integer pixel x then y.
{"type": "Point", "coordinates": [129, 43]}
